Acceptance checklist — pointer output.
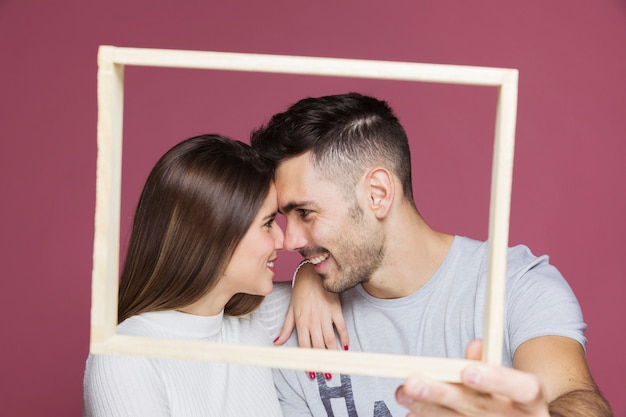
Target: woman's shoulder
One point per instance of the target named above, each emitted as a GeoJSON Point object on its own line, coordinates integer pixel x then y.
{"type": "Point", "coordinates": [245, 329]}
{"type": "Point", "coordinates": [172, 325]}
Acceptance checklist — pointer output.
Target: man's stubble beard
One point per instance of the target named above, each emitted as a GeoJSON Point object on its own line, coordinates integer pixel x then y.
{"type": "Point", "coordinates": [362, 253]}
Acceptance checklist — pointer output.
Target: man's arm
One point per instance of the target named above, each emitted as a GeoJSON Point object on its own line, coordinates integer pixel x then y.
{"type": "Point", "coordinates": [560, 364]}
{"type": "Point", "coordinates": [552, 379]}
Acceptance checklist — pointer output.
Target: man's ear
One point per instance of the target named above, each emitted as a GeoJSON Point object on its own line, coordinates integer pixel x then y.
{"type": "Point", "coordinates": [380, 187]}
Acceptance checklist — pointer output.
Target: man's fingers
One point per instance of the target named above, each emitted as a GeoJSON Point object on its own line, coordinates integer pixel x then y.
{"type": "Point", "coordinates": [474, 350]}
{"type": "Point", "coordinates": [520, 387]}
{"type": "Point", "coordinates": [425, 399]}
{"type": "Point", "coordinates": [485, 391]}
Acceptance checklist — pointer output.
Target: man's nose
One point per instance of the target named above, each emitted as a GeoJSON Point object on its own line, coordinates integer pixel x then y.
{"type": "Point", "coordinates": [294, 239]}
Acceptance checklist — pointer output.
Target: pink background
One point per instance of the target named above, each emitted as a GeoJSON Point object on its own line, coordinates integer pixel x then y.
{"type": "Point", "coordinates": [568, 189]}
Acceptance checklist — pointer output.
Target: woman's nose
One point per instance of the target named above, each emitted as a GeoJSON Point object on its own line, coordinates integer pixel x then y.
{"type": "Point", "coordinates": [279, 238]}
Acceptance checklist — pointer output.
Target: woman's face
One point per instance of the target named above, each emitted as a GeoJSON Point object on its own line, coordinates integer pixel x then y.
{"type": "Point", "coordinates": [251, 269]}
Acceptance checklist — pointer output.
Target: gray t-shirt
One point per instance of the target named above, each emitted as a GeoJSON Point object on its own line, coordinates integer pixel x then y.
{"type": "Point", "coordinates": [438, 320]}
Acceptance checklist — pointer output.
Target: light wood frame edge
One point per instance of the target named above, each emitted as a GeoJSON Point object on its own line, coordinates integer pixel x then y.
{"type": "Point", "coordinates": [104, 340]}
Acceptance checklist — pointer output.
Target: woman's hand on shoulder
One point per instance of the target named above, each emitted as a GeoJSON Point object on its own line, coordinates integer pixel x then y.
{"type": "Point", "coordinates": [315, 314]}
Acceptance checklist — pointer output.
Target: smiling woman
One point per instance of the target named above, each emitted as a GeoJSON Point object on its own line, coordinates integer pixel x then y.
{"type": "Point", "coordinates": [200, 259]}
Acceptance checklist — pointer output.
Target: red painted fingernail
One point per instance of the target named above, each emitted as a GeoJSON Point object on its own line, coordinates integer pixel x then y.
{"type": "Point", "coordinates": [276, 339]}
{"type": "Point", "coordinates": [345, 347]}
{"type": "Point", "coordinates": [328, 376]}
{"type": "Point", "coordinates": [312, 375]}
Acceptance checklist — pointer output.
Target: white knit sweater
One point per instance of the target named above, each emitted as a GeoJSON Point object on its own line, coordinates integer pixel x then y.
{"type": "Point", "coordinates": [137, 386]}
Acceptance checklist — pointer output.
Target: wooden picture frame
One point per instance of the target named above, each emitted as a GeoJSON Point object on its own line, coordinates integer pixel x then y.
{"type": "Point", "coordinates": [105, 278]}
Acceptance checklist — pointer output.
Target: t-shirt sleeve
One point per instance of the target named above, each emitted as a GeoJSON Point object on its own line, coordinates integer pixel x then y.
{"type": "Point", "coordinates": [540, 301]}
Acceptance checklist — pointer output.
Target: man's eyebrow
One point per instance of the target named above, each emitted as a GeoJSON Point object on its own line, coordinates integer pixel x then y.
{"type": "Point", "coordinates": [292, 205]}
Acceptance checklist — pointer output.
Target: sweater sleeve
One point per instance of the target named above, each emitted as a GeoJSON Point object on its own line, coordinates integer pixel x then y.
{"type": "Point", "coordinates": [116, 386]}
{"type": "Point", "coordinates": [271, 314]}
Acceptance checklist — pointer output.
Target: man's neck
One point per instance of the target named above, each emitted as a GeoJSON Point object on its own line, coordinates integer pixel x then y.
{"type": "Point", "coordinates": [414, 253]}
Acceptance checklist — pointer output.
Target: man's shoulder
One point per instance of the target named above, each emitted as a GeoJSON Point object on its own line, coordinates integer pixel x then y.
{"type": "Point", "coordinates": [472, 248]}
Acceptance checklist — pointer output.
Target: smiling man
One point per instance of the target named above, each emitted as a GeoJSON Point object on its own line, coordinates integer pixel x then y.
{"type": "Point", "coordinates": [343, 177]}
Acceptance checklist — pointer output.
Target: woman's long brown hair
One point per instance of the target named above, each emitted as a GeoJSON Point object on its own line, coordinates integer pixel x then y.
{"type": "Point", "coordinates": [197, 204]}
